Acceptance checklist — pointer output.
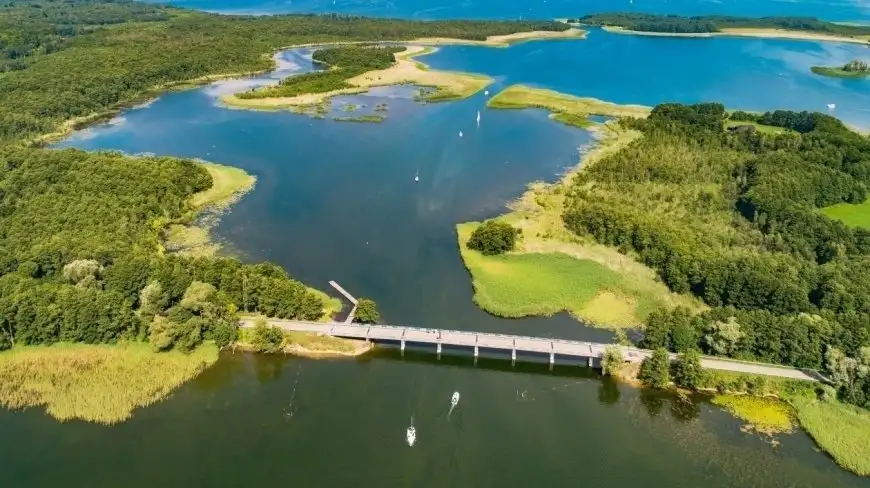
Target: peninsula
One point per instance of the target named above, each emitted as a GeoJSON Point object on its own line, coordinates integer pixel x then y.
{"type": "Point", "coordinates": [802, 28]}
{"type": "Point", "coordinates": [674, 207]}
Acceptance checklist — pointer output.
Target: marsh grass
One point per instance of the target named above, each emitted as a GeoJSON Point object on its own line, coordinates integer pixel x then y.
{"type": "Point", "coordinates": [309, 341]}
{"type": "Point", "coordinates": [96, 383]}
{"type": "Point", "coordinates": [841, 430]}
{"type": "Point", "coordinates": [521, 96]}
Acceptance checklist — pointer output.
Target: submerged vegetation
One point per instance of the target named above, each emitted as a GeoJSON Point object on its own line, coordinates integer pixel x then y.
{"type": "Point", "coordinates": [642, 22]}
{"type": "Point", "coordinates": [766, 415]}
{"type": "Point", "coordinates": [97, 383]}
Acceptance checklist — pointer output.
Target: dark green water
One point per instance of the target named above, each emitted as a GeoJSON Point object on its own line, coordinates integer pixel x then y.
{"type": "Point", "coordinates": [338, 201]}
{"type": "Point", "coordinates": [240, 424]}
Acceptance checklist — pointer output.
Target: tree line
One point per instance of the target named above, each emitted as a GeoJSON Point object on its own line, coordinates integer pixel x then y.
{"type": "Point", "coordinates": [715, 23]}
{"type": "Point", "coordinates": [80, 261]}
{"type": "Point", "coordinates": [732, 217]}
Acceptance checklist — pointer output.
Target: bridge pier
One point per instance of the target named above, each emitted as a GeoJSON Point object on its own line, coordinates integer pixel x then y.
{"type": "Point", "coordinates": [513, 356]}
{"type": "Point", "coordinates": [403, 347]}
{"type": "Point", "coordinates": [476, 353]}
{"type": "Point", "coordinates": [589, 361]}
{"type": "Point", "coordinates": [439, 350]}
{"type": "Point", "coordinates": [552, 358]}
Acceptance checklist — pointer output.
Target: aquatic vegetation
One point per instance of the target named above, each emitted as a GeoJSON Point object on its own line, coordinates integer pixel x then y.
{"type": "Point", "coordinates": [763, 414]}
{"type": "Point", "coordinates": [374, 118]}
{"type": "Point", "coordinates": [96, 383]}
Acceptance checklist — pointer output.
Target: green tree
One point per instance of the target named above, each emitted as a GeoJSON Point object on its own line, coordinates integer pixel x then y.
{"type": "Point", "coordinates": [493, 237]}
{"type": "Point", "coordinates": [224, 334]}
{"type": "Point", "coordinates": [687, 370]}
{"type": "Point", "coordinates": [267, 339]}
{"type": "Point", "coordinates": [655, 370]}
{"type": "Point", "coordinates": [366, 311]}
{"type": "Point", "coordinates": [612, 360]}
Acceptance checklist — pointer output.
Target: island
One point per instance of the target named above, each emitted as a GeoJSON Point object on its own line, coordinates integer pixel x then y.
{"type": "Point", "coordinates": [807, 28]}
{"type": "Point", "coordinates": [853, 69]}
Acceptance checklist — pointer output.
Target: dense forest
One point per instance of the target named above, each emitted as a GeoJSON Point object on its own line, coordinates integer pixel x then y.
{"type": "Point", "coordinates": [732, 217]}
{"type": "Point", "coordinates": [80, 254]}
{"type": "Point", "coordinates": [344, 62]}
{"type": "Point", "coordinates": [715, 23]}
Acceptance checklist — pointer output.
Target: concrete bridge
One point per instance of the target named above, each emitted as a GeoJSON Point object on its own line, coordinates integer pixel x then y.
{"type": "Point", "coordinates": [528, 347]}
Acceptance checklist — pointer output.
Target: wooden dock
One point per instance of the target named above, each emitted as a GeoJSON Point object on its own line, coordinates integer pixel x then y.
{"type": "Point", "coordinates": [527, 347]}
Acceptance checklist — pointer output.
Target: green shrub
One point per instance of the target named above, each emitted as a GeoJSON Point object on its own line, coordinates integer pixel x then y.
{"type": "Point", "coordinates": [366, 312]}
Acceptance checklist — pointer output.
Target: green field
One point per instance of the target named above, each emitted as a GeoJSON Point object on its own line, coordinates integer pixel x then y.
{"type": "Point", "coordinates": [519, 285]}
{"type": "Point", "coordinates": [766, 129]}
{"type": "Point", "coordinates": [856, 215]}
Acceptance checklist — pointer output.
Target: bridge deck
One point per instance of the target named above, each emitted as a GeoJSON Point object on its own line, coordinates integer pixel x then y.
{"type": "Point", "coordinates": [503, 342]}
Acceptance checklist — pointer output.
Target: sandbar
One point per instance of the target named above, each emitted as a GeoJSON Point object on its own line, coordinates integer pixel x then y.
{"type": "Point", "coordinates": [748, 32]}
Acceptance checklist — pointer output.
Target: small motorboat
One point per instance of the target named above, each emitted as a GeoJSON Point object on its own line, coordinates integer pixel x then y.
{"type": "Point", "coordinates": [460, 133]}
{"type": "Point", "coordinates": [454, 400]}
{"type": "Point", "coordinates": [417, 177]}
{"type": "Point", "coordinates": [486, 93]}
{"type": "Point", "coordinates": [832, 106]}
{"type": "Point", "coordinates": [411, 434]}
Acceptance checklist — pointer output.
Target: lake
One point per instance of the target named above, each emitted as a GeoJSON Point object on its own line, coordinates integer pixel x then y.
{"type": "Point", "coordinates": [337, 201]}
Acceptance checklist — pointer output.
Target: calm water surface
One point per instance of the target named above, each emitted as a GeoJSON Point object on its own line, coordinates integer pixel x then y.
{"type": "Point", "coordinates": [834, 10]}
{"type": "Point", "coordinates": [337, 201]}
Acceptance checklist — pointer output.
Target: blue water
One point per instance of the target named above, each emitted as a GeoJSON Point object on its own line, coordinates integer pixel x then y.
{"type": "Point", "coordinates": [749, 74]}
{"type": "Point", "coordinates": [835, 10]}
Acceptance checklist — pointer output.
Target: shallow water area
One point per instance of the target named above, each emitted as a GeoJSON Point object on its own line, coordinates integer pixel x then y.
{"type": "Point", "coordinates": [338, 201]}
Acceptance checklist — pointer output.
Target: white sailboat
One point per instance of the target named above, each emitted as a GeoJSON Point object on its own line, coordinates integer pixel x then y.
{"type": "Point", "coordinates": [478, 118]}
{"type": "Point", "coordinates": [832, 106]}
{"type": "Point", "coordinates": [411, 434]}
{"type": "Point", "coordinates": [460, 133]}
{"type": "Point", "coordinates": [486, 93]}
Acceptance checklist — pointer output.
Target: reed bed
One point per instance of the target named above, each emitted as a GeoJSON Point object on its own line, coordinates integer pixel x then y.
{"type": "Point", "coordinates": [96, 383]}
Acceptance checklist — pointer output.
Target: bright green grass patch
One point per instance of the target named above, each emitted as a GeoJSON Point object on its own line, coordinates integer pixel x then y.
{"type": "Point", "coordinates": [766, 129]}
{"type": "Point", "coordinates": [841, 430]}
{"type": "Point", "coordinates": [518, 285]}
{"type": "Point", "coordinates": [572, 119]}
{"type": "Point", "coordinates": [97, 383]}
{"type": "Point", "coordinates": [856, 215]}
{"type": "Point", "coordinates": [375, 118]}
{"type": "Point", "coordinates": [767, 415]}
{"type": "Point", "coordinates": [838, 72]}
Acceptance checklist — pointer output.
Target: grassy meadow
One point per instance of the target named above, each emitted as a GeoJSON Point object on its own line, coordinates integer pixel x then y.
{"type": "Point", "coordinates": [96, 383]}
{"type": "Point", "coordinates": [840, 430]}
{"type": "Point", "coordinates": [856, 215]}
{"type": "Point", "coordinates": [524, 284]}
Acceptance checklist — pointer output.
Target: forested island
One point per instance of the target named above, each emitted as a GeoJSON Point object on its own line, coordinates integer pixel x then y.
{"type": "Point", "coordinates": [853, 69]}
{"type": "Point", "coordinates": [713, 24]}
{"type": "Point", "coordinates": [83, 250]}
{"type": "Point", "coordinates": [726, 208]}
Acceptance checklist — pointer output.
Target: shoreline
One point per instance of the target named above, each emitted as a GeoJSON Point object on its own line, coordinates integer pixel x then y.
{"type": "Point", "coordinates": [745, 32]}
{"type": "Point", "coordinates": [407, 70]}
{"type": "Point", "coordinates": [547, 247]}
{"type": "Point", "coordinates": [448, 85]}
